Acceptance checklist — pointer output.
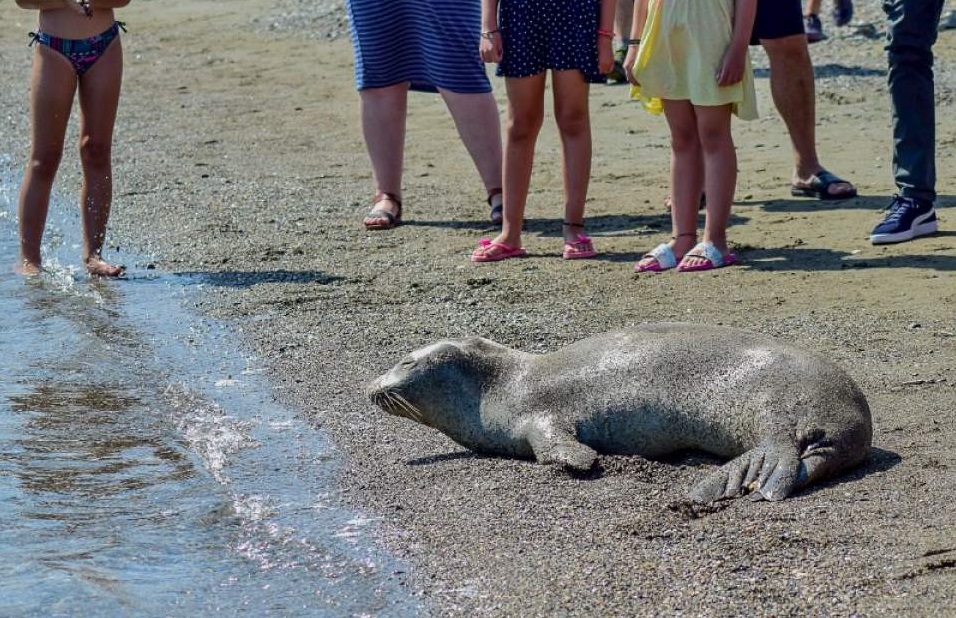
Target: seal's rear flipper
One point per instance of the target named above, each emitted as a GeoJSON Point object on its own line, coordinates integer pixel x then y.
{"type": "Point", "coordinates": [766, 472]}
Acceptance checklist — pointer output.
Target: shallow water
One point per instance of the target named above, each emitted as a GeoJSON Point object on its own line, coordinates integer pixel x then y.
{"type": "Point", "coordinates": [145, 469]}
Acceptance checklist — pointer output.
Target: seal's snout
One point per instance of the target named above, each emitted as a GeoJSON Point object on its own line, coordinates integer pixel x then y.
{"type": "Point", "coordinates": [379, 398]}
{"type": "Point", "coordinates": [372, 389]}
{"type": "Point", "coordinates": [377, 393]}
{"type": "Point", "coordinates": [394, 403]}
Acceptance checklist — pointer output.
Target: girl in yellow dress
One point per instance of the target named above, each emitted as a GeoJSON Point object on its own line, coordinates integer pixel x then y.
{"type": "Point", "coordinates": [693, 64]}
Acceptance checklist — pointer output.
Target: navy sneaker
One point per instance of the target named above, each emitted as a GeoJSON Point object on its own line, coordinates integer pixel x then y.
{"type": "Point", "coordinates": [907, 219]}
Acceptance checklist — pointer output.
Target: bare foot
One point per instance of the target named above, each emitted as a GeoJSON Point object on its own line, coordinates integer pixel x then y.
{"type": "Point", "coordinates": [28, 268]}
{"type": "Point", "coordinates": [99, 267]}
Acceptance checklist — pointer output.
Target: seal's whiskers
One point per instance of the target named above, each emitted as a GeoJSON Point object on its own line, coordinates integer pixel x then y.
{"type": "Point", "coordinates": [413, 412]}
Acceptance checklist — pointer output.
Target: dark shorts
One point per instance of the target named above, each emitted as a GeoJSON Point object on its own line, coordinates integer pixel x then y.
{"type": "Point", "coordinates": [777, 19]}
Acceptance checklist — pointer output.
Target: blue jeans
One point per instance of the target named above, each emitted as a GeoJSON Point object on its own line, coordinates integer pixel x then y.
{"type": "Point", "coordinates": [911, 33]}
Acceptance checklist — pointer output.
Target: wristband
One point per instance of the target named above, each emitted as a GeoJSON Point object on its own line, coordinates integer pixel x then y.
{"type": "Point", "coordinates": [489, 34]}
{"type": "Point", "coordinates": [608, 33]}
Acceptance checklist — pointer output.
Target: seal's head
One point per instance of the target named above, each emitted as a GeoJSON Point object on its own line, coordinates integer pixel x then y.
{"type": "Point", "coordinates": [431, 382]}
{"type": "Point", "coordinates": [442, 386]}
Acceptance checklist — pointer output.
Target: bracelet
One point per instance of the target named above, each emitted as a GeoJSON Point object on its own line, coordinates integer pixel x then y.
{"type": "Point", "coordinates": [488, 34]}
{"type": "Point", "coordinates": [608, 33]}
{"type": "Point", "coordinates": [631, 42]}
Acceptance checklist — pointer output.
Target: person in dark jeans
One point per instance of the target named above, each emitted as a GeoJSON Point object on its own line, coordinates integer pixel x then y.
{"type": "Point", "coordinates": [911, 33]}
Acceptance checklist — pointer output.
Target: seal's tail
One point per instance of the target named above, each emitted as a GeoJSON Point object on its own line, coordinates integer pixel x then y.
{"type": "Point", "coordinates": [766, 473]}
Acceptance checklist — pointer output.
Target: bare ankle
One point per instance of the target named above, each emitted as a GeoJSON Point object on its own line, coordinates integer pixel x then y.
{"type": "Point", "coordinates": [28, 268]}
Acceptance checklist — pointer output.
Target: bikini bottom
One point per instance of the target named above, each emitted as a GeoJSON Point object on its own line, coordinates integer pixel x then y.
{"type": "Point", "coordinates": [82, 53]}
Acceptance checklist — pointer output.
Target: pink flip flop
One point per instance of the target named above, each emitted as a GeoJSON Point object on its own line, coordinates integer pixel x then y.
{"type": "Point", "coordinates": [490, 251]}
{"type": "Point", "coordinates": [714, 258]}
{"type": "Point", "coordinates": [582, 248]}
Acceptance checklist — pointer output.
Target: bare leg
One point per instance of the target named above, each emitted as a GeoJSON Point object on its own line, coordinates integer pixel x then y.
{"type": "Point", "coordinates": [623, 18]}
{"type": "Point", "coordinates": [479, 125]}
{"type": "Point", "coordinates": [574, 125]}
{"type": "Point", "coordinates": [525, 117]}
{"type": "Point", "coordinates": [812, 7]}
{"type": "Point", "coordinates": [687, 177]}
{"type": "Point", "coordinates": [383, 112]}
{"type": "Point", "coordinates": [720, 174]}
{"type": "Point", "coordinates": [99, 98]}
{"type": "Point", "coordinates": [792, 88]}
{"type": "Point", "coordinates": [52, 84]}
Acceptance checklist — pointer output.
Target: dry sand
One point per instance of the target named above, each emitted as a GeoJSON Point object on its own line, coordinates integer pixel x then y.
{"type": "Point", "coordinates": [239, 156]}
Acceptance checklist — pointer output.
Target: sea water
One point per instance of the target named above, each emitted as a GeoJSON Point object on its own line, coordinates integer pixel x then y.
{"type": "Point", "coordinates": [145, 468]}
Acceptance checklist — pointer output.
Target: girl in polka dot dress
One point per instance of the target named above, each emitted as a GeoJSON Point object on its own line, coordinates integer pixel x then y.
{"type": "Point", "coordinates": [572, 38]}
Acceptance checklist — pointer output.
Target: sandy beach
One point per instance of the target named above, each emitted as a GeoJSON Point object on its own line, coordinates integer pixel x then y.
{"type": "Point", "coordinates": [238, 155]}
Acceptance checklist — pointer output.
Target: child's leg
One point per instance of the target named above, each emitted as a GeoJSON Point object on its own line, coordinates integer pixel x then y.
{"type": "Point", "coordinates": [686, 178]}
{"type": "Point", "coordinates": [383, 112]}
{"type": "Point", "coordinates": [574, 124]}
{"type": "Point", "coordinates": [479, 125]}
{"type": "Point", "coordinates": [525, 116]}
{"type": "Point", "coordinates": [99, 97]}
{"type": "Point", "coordinates": [52, 84]}
{"type": "Point", "coordinates": [720, 173]}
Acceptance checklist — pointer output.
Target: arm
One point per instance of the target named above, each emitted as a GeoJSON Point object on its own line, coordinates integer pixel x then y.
{"type": "Point", "coordinates": [637, 31]}
{"type": "Point", "coordinates": [43, 5]}
{"type": "Point", "coordinates": [40, 5]}
{"type": "Point", "coordinates": [606, 36]}
{"type": "Point", "coordinates": [732, 66]}
{"type": "Point", "coordinates": [490, 46]}
{"type": "Point", "coordinates": [73, 5]}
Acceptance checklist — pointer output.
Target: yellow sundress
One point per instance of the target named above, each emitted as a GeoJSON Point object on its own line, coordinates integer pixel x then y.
{"type": "Point", "coordinates": [681, 49]}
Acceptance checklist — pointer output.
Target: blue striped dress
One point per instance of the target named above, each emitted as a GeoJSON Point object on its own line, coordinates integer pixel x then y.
{"type": "Point", "coordinates": [429, 43]}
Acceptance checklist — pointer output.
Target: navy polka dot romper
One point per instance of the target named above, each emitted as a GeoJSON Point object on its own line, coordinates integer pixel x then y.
{"type": "Point", "coordinates": [549, 34]}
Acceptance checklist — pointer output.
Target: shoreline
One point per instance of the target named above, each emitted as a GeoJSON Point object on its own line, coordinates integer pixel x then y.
{"type": "Point", "coordinates": [238, 153]}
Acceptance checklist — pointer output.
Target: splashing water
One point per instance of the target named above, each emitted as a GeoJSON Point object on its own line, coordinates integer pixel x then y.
{"type": "Point", "coordinates": [145, 468]}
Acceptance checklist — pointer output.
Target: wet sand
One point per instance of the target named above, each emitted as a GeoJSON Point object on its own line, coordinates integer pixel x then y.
{"type": "Point", "coordinates": [238, 154]}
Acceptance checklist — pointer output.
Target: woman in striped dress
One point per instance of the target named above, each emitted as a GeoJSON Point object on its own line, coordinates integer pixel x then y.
{"type": "Point", "coordinates": [428, 46]}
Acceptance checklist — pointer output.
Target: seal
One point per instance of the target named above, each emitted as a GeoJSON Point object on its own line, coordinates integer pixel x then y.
{"type": "Point", "coordinates": [783, 417]}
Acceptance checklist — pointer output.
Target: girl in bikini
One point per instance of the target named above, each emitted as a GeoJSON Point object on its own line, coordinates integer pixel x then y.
{"type": "Point", "coordinates": [77, 50]}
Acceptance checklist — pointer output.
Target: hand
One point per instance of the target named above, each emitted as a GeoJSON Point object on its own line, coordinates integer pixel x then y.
{"type": "Point", "coordinates": [80, 7]}
{"type": "Point", "coordinates": [732, 66]}
{"type": "Point", "coordinates": [629, 61]}
{"type": "Point", "coordinates": [490, 47]}
{"type": "Point", "coordinates": [605, 55]}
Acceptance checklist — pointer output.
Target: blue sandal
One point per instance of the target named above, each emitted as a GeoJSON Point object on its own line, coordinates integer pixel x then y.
{"type": "Point", "coordinates": [813, 28]}
{"type": "Point", "coordinates": [842, 12]}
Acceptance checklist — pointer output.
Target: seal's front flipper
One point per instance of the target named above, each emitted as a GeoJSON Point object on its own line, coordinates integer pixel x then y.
{"type": "Point", "coordinates": [552, 444]}
{"type": "Point", "coordinates": [766, 473]}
